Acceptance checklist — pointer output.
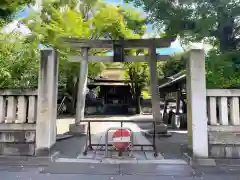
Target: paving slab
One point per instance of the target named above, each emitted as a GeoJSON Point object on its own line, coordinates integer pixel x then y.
{"type": "Point", "coordinates": [204, 170]}
{"type": "Point", "coordinates": [24, 161]}
{"type": "Point", "coordinates": [153, 169]}
{"type": "Point", "coordinates": [34, 176]}
{"type": "Point", "coordinates": [138, 138]}
{"type": "Point", "coordinates": [164, 162]}
{"type": "Point", "coordinates": [81, 168]}
{"type": "Point", "coordinates": [168, 148]}
{"type": "Point", "coordinates": [71, 160]}
{"type": "Point", "coordinates": [206, 162]}
{"type": "Point", "coordinates": [227, 162]}
{"type": "Point", "coordinates": [123, 171]}
{"type": "Point", "coordinates": [70, 148]}
{"type": "Point", "coordinates": [150, 156]}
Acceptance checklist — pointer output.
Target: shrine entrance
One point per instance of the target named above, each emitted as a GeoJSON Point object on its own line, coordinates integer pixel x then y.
{"type": "Point", "coordinates": [118, 47]}
{"type": "Point", "coordinates": [111, 97]}
{"type": "Point", "coordinates": [48, 87]}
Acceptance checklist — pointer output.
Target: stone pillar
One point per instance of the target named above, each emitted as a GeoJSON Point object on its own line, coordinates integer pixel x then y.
{"type": "Point", "coordinates": [155, 99]}
{"type": "Point", "coordinates": [22, 110]}
{"type": "Point", "coordinates": [47, 102]}
{"type": "Point", "coordinates": [196, 104]}
{"type": "Point", "coordinates": [79, 128]}
{"type": "Point", "coordinates": [177, 118]}
{"type": "Point", "coordinates": [11, 109]}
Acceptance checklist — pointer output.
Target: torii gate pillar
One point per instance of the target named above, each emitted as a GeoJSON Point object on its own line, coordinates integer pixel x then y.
{"type": "Point", "coordinates": [161, 127]}
{"type": "Point", "coordinates": [78, 127]}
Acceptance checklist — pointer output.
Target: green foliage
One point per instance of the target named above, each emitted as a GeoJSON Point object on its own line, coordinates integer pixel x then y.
{"type": "Point", "coordinates": [145, 94]}
{"type": "Point", "coordinates": [173, 66]}
{"type": "Point", "coordinates": [215, 21]}
{"type": "Point", "coordinates": [223, 70]}
{"type": "Point", "coordinates": [93, 20]}
{"type": "Point", "coordinates": [138, 73]}
{"type": "Point", "coordinates": [18, 62]}
{"type": "Point", "coordinates": [106, 22]}
{"type": "Point", "coordinates": [8, 9]}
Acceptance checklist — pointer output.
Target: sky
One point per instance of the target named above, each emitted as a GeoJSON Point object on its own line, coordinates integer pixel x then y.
{"type": "Point", "coordinates": [175, 47]}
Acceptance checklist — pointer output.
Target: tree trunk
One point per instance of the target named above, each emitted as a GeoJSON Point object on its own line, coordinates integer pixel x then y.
{"type": "Point", "coordinates": [72, 89]}
{"type": "Point", "coordinates": [226, 35]}
{"type": "Point", "coordinates": [138, 100]}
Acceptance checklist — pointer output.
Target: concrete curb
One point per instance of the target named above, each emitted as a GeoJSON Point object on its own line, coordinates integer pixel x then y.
{"type": "Point", "coordinates": [158, 134]}
{"type": "Point", "coordinates": [123, 161]}
{"type": "Point", "coordinates": [188, 159]}
{"type": "Point", "coordinates": [21, 161]}
{"type": "Point", "coordinates": [228, 162]}
{"type": "Point", "coordinates": [199, 161]}
{"type": "Point", "coordinates": [55, 156]}
{"type": "Point", "coordinates": [63, 137]}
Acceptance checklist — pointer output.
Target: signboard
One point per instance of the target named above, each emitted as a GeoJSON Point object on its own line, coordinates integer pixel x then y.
{"type": "Point", "coordinates": [118, 52]}
{"type": "Point", "coordinates": [121, 139]}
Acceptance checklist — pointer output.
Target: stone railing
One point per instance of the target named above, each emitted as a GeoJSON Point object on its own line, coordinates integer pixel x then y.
{"type": "Point", "coordinates": [224, 123]}
{"type": "Point", "coordinates": [18, 113]}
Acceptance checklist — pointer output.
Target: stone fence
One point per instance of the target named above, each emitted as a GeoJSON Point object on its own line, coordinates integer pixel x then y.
{"type": "Point", "coordinates": [224, 123]}
{"type": "Point", "coordinates": [18, 113]}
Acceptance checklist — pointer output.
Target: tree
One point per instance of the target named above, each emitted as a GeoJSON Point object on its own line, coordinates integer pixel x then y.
{"type": "Point", "coordinates": [174, 65]}
{"type": "Point", "coordinates": [138, 74]}
{"type": "Point", "coordinates": [93, 20]}
{"type": "Point", "coordinates": [214, 21]}
{"type": "Point", "coordinates": [9, 8]}
{"type": "Point", "coordinates": [223, 70]}
{"type": "Point", "coordinates": [19, 61]}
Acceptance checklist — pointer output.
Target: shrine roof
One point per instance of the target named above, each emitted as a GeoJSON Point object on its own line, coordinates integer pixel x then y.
{"type": "Point", "coordinates": [174, 80]}
{"type": "Point", "coordinates": [108, 84]}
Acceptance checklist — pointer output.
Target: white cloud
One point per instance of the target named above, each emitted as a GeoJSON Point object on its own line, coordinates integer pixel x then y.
{"type": "Point", "coordinates": [176, 44]}
{"type": "Point", "coordinates": [15, 26]}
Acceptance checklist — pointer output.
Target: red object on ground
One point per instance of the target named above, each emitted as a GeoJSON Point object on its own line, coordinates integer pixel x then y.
{"type": "Point", "coordinates": [121, 139]}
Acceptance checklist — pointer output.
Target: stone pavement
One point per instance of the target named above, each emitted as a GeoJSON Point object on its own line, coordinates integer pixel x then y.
{"type": "Point", "coordinates": [26, 168]}
{"type": "Point", "coordinates": [76, 171]}
{"type": "Point", "coordinates": [98, 130]}
{"type": "Point", "coordinates": [169, 148]}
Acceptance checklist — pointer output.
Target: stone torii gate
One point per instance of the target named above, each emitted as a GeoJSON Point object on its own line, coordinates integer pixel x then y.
{"type": "Point", "coordinates": [118, 47]}
{"type": "Point", "coordinates": [48, 88]}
